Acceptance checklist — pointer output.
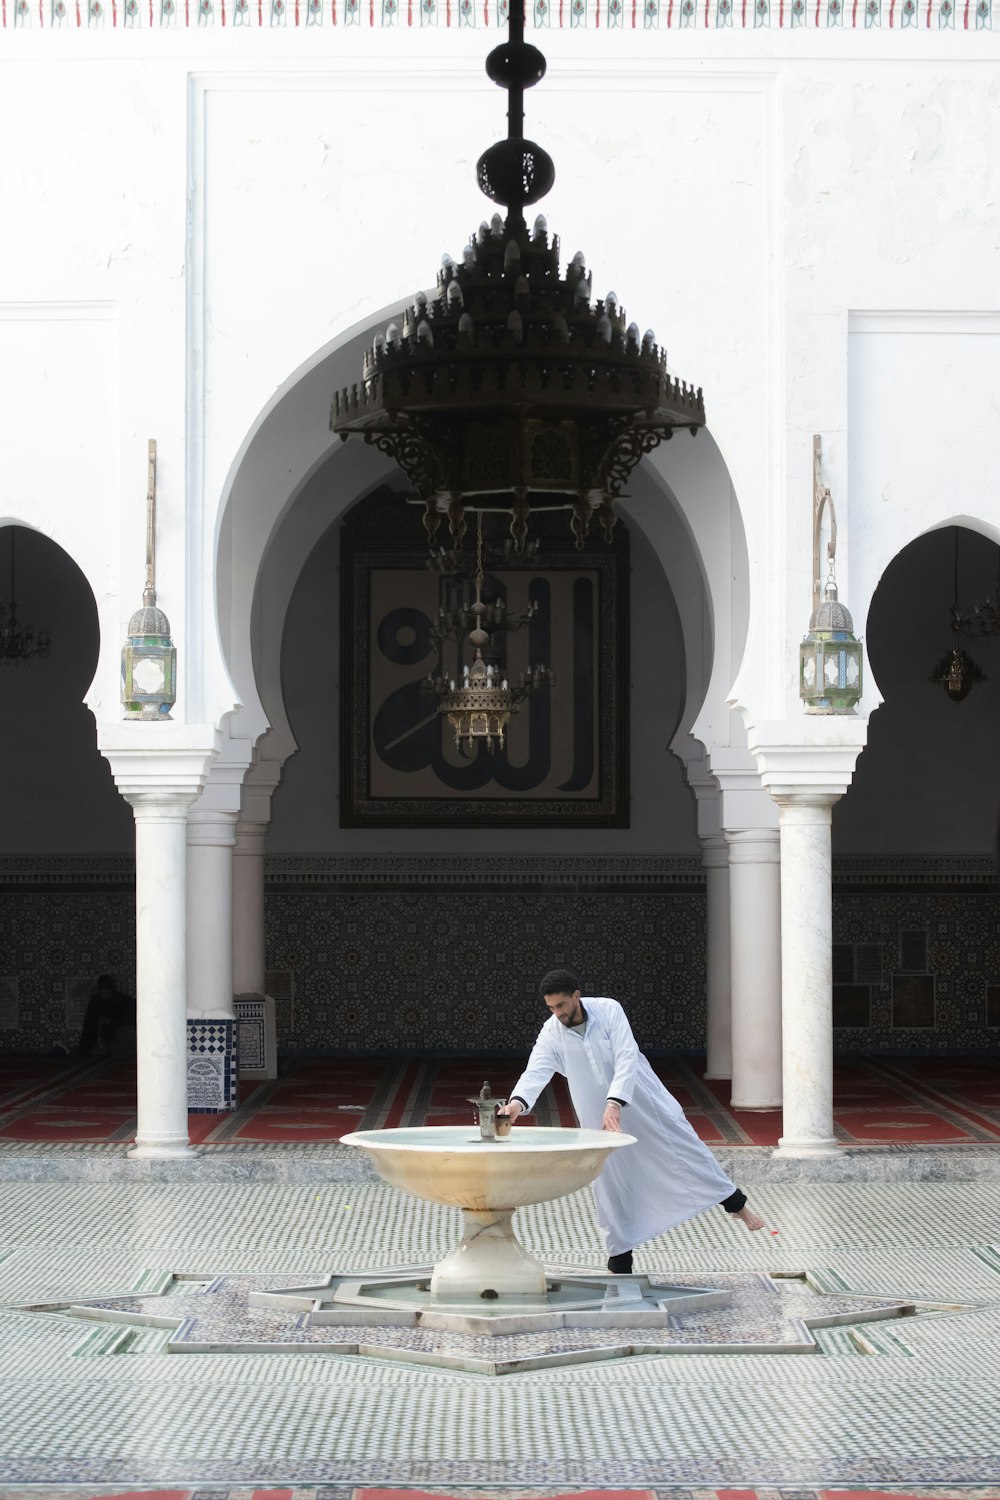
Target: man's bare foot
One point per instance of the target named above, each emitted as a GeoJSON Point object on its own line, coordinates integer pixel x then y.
{"type": "Point", "coordinates": [750, 1219]}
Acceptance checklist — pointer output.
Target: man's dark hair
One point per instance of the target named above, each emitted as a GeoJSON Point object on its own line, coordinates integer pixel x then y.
{"type": "Point", "coordinates": [106, 982]}
{"type": "Point", "coordinates": [559, 982]}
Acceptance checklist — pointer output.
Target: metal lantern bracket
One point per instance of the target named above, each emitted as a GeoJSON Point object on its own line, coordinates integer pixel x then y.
{"type": "Point", "coordinates": [822, 501]}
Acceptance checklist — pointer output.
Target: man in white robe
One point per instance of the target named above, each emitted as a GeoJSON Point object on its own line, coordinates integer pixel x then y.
{"type": "Point", "coordinates": [669, 1174]}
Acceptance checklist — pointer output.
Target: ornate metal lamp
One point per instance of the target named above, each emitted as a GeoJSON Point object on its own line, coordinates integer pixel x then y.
{"type": "Point", "coordinates": [479, 703]}
{"type": "Point", "coordinates": [149, 656]}
{"type": "Point", "coordinates": [830, 654]}
{"type": "Point", "coordinates": [18, 642]}
{"type": "Point", "coordinates": [956, 672]}
{"type": "Point", "coordinates": [512, 389]}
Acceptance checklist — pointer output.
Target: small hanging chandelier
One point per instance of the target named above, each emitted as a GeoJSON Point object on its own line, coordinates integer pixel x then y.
{"type": "Point", "coordinates": [512, 389]}
{"type": "Point", "coordinates": [18, 642]}
{"type": "Point", "coordinates": [956, 672]}
{"type": "Point", "coordinates": [479, 702]}
{"type": "Point", "coordinates": [984, 621]}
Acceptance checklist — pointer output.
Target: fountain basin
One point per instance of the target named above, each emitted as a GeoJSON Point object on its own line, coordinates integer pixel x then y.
{"type": "Point", "coordinates": [488, 1180]}
{"type": "Point", "coordinates": [452, 1164]}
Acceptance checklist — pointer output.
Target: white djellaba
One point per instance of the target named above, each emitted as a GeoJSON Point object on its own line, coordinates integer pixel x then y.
{"type": "Point", "coordinates": [669, 1175]}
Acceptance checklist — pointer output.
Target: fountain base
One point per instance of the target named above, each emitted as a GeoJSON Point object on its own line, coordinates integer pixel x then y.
{"type": "Point", "coordinates": [570, 1301]}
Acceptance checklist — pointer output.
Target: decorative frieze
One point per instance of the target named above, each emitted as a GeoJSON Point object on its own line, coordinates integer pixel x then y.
{"type": "Point", "coordinates": [608, 16]}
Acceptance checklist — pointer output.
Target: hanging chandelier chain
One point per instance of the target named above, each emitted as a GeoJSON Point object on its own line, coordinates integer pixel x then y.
{"type": "Point", "coordinates": [512, 386]}
{"type": "Point", "coordinates": [18, 642]}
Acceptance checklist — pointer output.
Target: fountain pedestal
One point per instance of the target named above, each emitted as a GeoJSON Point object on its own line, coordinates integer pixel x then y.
{"type": "Point", "coordinates": [488, 1263]}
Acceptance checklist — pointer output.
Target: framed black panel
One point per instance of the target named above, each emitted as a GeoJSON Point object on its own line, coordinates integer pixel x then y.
{"type": "Point", "coordinates": [566, 755]}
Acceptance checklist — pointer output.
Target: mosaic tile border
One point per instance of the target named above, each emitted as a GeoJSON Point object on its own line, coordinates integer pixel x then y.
{"type": "Point", "coordinates": [846, 1470]}
{"type": "Point", "coordinates": [306, 1163]}
{"type": "Point", "coordinates": [479, 1492]}
{"type": "Point", "coordinates": [462, 872]}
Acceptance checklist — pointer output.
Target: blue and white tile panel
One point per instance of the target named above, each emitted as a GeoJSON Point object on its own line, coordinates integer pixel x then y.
{"type": "Point", "coordinates": [212, 1066]}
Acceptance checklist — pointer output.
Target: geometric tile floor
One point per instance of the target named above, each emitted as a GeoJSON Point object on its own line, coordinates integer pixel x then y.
{"type": "Point", "coordinates": [919, 1413]}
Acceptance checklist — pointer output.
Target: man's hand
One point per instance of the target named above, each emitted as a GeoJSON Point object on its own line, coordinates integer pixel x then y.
{"type": "Point", "coordinates": [612, 1117]}
{"type": "Point", "coordinates": [514, 1108]}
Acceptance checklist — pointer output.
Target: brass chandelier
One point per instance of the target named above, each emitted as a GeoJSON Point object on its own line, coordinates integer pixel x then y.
{"type": "Point", "coordinates": [479, 702]}
{"type": "Point", "coordinates": [511, 388]}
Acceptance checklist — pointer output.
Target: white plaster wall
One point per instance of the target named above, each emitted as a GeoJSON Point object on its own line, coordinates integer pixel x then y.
{"type": "Point", "coordinates": [92, 353]}
{"type": "Point", "coordinates": [235, 202]}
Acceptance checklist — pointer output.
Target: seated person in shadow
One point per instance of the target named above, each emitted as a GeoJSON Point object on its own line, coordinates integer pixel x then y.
{"type": "Point", "coordinates": [109, 1013]}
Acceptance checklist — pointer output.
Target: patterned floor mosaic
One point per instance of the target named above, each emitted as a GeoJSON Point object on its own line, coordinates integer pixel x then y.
{"type": "Point", "coordinates": [951, 1101]}
{"type": "Point", "coordinates": [766, 1315]}
{"type": "Point", "coordinates": [910, 1405]}
{"type": "Point", "coordinates": [346, 1492]}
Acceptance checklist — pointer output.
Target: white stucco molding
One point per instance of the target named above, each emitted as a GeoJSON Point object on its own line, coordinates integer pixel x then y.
{"type": "Point", "coordinates": [819, 766]}
{"type": "Point", "coordinates": [223, 791]}
{"type": "Point", "coordinates": [745, 804]}
{"type": "Point", "coordinates": [159, 762]}
{"type": "Point", "coordinates": [259, 786]}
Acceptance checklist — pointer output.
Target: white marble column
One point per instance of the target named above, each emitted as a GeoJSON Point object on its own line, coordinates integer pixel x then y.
{"type": "Point", "coordinates": [211, 836]}
{"type": "Point", "coordinates": [161, 1008]}
{"type": "Point", "coordinates": [755, 958]}
{"type": "Point", "coordinates": [807, 973]}
{"type": "Point", "coordinates": [160, 769]}
{"type": "Point", "coordinates": [248, 957]}
{"type": "Point", "coordinates": [718, 995]}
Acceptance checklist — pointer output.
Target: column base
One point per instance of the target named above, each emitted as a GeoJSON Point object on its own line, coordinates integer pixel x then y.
{"type": "Point", "coordinates": [212, 1076]}
{"type": "Point", "coordinates": [159, 1150]}
{"type": "Point", "coordinates": [756, 1107]}
{"type": "Point", "coordinates": [814, 1147]}
{"type": "Point", "coordinates": [717, 1077]}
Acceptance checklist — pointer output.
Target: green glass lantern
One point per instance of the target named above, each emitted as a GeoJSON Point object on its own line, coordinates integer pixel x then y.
{"type": "Point", "coordinates": [149, 664]}
{"type": "Point", "coordinates": [830, 659]}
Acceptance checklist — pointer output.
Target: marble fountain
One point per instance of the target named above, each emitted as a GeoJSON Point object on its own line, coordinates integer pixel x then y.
{"type": "Point", "coordinates": [489, 1283]}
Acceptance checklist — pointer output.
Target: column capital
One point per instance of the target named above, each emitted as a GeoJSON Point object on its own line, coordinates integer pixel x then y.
{"type": "Point", "coordinates": [744, 803]}
{"type": "Point", "coordinates": [714, 851]}
{"type": "Point", "coordinates": [211, 827]}
{"type": "Point", "coordinates": [753, 846]}
{"type": "Point", "coordinates": [223, 788]}
{"type": "Point", "coordinates": [823, 767]}
{"type": "Point", "coordinates": [158, 763]}
{"type": "Point", "coordinates": [258, 788]}
{"type": "Point", "coordinates": [805, 805]}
